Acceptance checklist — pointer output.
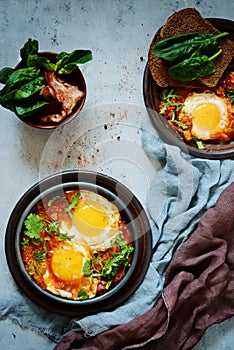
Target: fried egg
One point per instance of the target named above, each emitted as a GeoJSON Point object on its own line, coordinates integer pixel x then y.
{"type": "Point", "coordinates": [208, 113]}
{"type": "Point", "coordinates": [64, 274]}
{"type": "Point", "coordinates": [68, 260]}
{"type": "Point", "coordinates": [95, 221]}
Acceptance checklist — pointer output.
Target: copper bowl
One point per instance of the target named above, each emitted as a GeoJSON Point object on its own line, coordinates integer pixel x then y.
{"type": "Point", "coordinates": [130, 210]}
{"type": "Point", "coordinates": [75, 78]}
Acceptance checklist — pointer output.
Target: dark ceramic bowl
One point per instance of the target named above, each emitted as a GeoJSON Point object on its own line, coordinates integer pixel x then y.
{"type": "Point", "coordinates": [130, 210]}
{"type": "Point", "coordinates": [151, 91]}
{"type": "Point", "coordinates": [75, 78]}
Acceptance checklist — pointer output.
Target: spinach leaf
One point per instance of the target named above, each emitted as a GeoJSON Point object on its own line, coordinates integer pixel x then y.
{"type": "Point", "coordinates": [67, 62]}
{"type": "Point", "coordinates": [26, 90]}
{"type": "Point", "coordinates": [29, 48]}
{"type": "Point", "coordinates": [40, 62]}
{"type": "Point", "coordinates": [18, 78]}
{"type": "Point", "coordinates": [192, 68]}
{"type": "Point", "coordinates": [29, 108]}
{"type": "Point", "coordinates": [178, 47]}
{"type": "Point", "coordinates": [5, 73]}
{"type": "Point", "coordinates": [20, 86]}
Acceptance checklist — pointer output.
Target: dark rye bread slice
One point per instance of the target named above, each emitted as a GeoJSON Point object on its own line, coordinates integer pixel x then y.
{"type": "Point", "coordinates": [189, 20]}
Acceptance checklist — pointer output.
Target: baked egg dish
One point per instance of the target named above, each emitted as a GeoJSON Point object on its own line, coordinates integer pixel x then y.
{"type": "Point", "coordinates": [201, 115]}
{"type": "Point", "coordinates": [76, 245]}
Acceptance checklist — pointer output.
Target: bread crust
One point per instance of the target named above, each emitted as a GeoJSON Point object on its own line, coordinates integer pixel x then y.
{"type": "Point", "coordinates": [185, 21]}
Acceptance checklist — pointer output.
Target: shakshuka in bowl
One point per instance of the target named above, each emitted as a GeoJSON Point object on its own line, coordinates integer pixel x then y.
{"type": "Point", "coordinates": [78, 242]}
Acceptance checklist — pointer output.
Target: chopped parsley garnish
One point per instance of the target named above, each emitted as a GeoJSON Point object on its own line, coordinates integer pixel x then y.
{"type": "Point", "coordinates": [64, 236]}
{"type": "Point", "coordinates": [53, 227]}
{"type": "Point", "coordinates": [40, 255]}
{"type": "Point", "coordinates": [170, 100]}
{"type": "Point", "coordinates": [73, 203]}
{"type": "Point", "coordinates": [35, 268]}
{"type": "Point", "coordinates": [24, 243]}
{"type": "Point", "coordinates": [34, 226]}
{"type": "Point", "coordinates": [111, 266]}
{"type": "Point", "coordinates": [180, 124]}
{"type": "Point", "coordinates": [83, 294]}
{"type": "Point", "coordinates": [198, 143]}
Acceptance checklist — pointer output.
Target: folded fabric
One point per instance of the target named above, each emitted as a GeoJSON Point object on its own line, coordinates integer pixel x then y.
{"type": "Point", "coordinates": [198, 292]}
{"type": "Point", "coordinates": [182, 190]}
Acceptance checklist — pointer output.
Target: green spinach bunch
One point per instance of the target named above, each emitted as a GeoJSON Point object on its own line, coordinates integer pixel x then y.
{"type": "Point", "coordinates": [21, 93]}
{"type": "Point", "coordinates": [192, 54]}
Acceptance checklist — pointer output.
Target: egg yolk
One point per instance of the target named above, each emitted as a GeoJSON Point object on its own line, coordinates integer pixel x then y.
{"type": "Point", "coordinates": [206, 116]}
{"type": "Point", "coordinates": [67, 264]}
{"type": "Point", "coordinates": [90, 218]}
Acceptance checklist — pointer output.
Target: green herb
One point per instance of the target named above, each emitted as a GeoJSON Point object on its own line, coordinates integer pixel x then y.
{"type": "Point", "coordinates": [64, 236]}
{"type": "Point", "coordinates": [198, 143]}
{"type": "Point", "coordinates": [53, 227]}
{"type": "Point", "coordinates": [34, 226]}
{"type": "Point", "coordinates": [230, 95]}
{"type": "Point", "coordinates": [73, 204]}
{"type": "Point", "coordinates": [40, 255]}
{"type": "Point", "coordinates": [87, 268]}
{"type": "Point", "coordinates": [35, 267]}
{"type": "Point", "coordinates": [112, 265]}
{"type": "Point", "coordinates": [193, 53]}
{"type": "Point", "coordinates": [52, 200]}
{"type": "Point", "coordinates": [108, 284]}
{"type": "Point", "coordinates": [83, 294]}
{"type": "Point", "coordinates": [169, 99]}
{"type": "Point", "coordinates": [24, 243]}
{"type": "Point", "coordinates": [180, 124]}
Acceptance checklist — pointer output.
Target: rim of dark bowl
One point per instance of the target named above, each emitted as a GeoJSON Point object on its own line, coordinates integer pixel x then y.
{"type": "Point", "coordinates": [75, 78]}
{"type": "Point", "coordinates": [130, 209]}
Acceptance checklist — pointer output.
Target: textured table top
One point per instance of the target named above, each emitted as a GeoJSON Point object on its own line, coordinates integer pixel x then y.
{"type": "Point", "coordinates": [119, 34]}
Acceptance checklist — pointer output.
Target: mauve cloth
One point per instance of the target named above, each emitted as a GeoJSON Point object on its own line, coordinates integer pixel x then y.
{"type": "Point", "coordinates": [198, 292]}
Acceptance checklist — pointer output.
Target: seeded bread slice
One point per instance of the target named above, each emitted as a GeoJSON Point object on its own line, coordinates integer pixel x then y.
{"type": "Point", "coordinates": [185, 21]}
